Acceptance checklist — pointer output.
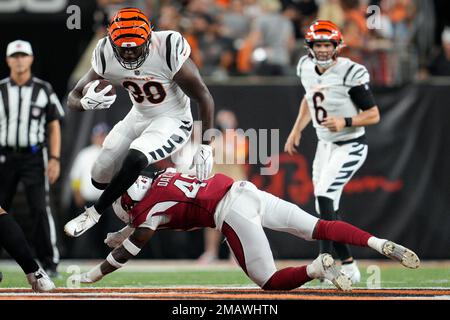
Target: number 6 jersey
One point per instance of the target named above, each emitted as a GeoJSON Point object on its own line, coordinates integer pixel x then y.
{"type": "Point", "coordinates": [327, 94]}
{"type": "Point", "coordinates": [151, 86]}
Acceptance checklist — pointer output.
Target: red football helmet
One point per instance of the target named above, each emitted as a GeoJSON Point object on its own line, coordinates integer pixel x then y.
{"type": "Point", "coordinates": [324, 31]}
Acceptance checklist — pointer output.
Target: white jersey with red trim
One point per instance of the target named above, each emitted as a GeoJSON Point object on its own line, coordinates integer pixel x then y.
{"type": "Point", "coordinates": [151, 86]}
{"type": "Point", "coordinates": [327, 94]}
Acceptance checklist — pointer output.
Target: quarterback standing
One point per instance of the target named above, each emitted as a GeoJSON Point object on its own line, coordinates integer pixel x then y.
{"type": "Point", "coordinates": [160, 78]}
{"type": "Point", "coordinates": [340, 104]}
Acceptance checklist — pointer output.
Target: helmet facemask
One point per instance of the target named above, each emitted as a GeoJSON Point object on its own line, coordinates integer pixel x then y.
{"type": "Point", "coordinates": [326, 60]}
{"type": "Point", "coordinates": [135, 63]}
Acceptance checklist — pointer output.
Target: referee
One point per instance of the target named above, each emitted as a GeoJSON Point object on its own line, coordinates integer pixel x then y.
{"type": "Point", "coordinates": [29, 122]}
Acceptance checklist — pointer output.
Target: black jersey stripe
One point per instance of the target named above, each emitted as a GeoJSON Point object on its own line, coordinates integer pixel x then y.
{"type": "Point", "coordinates": [348, 72]}
{"type": "Point", "coordinates": [34, 95]}
{"type": "Point", "coordinates": [169, 51]}
{"type": "Point", "coordinates": [182, 46]}
{"type": "Point", "coordinates": [361, 75]}
{"type": "Point", "coordinates": [5, 100]}
{"type": "Point", "coordinates": [357, 71]}
{"type": "Point", "coordinates": [102, 55]}
{"type": "Point", "coordinates": [176, 47]}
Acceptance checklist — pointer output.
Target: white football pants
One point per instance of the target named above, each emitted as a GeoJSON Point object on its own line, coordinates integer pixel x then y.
{"type": "Point", "coordinates": [241, 216]}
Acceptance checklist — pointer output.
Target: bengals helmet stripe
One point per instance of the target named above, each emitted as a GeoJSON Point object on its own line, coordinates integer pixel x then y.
{"type": "Point", "coordinates": [130, 28]}
{"type": "Point", "coordinates": [323, 30]}
{"type": "Point", "coordinates": [129, 25]}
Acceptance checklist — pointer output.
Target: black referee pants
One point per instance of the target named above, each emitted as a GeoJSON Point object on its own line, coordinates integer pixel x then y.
{"type": "Point", "coordinates": [30, 168]}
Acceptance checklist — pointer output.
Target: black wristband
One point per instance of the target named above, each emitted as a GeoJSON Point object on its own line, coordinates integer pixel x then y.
{"type": "Point", "coordinates": [55, 158]}
{"type": "Point", "coordinates": [348, 122]}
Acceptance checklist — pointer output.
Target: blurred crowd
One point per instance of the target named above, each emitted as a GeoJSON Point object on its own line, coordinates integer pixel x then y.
{"type": "Point", "coordinates": [265, 37]}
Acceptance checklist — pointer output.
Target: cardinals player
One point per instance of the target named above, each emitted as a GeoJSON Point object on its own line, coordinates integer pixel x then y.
{"type": "Point", "coordinates": [160, 78]}
{"type": "Point", "coordinates": [239, 210]}
{"type": "Point", "coordinates": [340, 104]}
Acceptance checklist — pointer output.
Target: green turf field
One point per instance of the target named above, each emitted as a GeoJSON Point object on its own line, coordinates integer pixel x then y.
{"type": "Point", "coordinates": [390, 276]}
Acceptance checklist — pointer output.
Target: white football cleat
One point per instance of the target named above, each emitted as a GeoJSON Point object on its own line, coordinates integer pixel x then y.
{"type": "Point", "coordinates": [325, 268]}
{"type": "Point", "coordinates": [79, 225]}
{"type": "Point", "coordinates": [352, 271]}
{"type": "Point", "coordinates": [40, 281]}
{"type": "Point", "coordinates": [401, 254]}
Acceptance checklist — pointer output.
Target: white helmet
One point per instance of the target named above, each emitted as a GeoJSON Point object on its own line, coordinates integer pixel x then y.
{"type": "Point", "coordinates": [128, 200]}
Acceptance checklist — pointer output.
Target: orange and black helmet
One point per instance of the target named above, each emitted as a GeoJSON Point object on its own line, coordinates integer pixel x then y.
{"type": "Point", "coordinates": [129, 33]}
{"type": "Point", "coordinates": [321, 31]}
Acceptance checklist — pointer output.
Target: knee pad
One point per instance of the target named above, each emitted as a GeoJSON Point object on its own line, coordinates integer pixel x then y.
{"type": "Point", "coordinates": [99, 185]}
{"type": "Point", "coordinates": [102, 171]}
{"type": "Point", "coordinates": [135, 160]}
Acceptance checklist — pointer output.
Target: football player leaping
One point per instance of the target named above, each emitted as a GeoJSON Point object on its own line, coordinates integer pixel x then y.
{"type": "Point", "coordinates": [171, 200]}
{"type": "Point", "coordinates": [156, 70]}
{"type": "Point", "coordinates": [339, 102]}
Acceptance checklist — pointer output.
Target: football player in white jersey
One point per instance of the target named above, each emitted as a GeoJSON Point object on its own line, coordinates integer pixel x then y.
{"type": "Point", "coordinates": [160, 77]}
{"type": "Point", "coordinates": [340, 104]}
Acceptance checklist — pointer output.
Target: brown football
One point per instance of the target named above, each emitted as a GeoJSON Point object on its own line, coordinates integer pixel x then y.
{"type": "Point", "coordinates": [102, 85]}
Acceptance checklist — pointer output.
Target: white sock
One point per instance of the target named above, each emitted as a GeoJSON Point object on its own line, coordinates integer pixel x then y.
{"type": "Point", "coordinates": [311, 271]}
{"type": "Point", "coordinates": [94, 214]}
{"type": "Point", "coordinates": [376, 244]}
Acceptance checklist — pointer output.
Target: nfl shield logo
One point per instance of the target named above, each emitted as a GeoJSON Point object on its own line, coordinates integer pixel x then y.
{"type": "Point", "coordinates": [36, 112]}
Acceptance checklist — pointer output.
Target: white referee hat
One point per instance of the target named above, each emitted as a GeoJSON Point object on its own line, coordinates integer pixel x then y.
{"type": "Point", "coordinates": [19, 46]}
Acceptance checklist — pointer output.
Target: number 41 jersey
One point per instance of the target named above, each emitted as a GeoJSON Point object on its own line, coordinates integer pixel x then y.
{"type": "Point", "coordinates": [327, 94]}
{"type": "Point", "coordinates": [151, 86]}
{"type": "Point", "coordinates": [182, 201]}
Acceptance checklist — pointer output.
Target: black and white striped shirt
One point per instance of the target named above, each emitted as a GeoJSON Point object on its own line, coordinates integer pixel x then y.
{"type": "Point", "coordinates": [25, 112]}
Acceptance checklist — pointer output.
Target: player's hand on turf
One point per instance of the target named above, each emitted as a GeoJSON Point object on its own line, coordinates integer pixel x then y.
{"type": "Point", "coordinates": [292, 142]}
{"type": "Point", "coordinates": [203, 161]}
{"type": "Point", "coordinates": [85, 278]}
{"type": "Point", "coordinates": [97, 100]}
{"type": "Point", "coordinates": [334, 124]}
{"type": "Point", "coordinates": [114, 239]}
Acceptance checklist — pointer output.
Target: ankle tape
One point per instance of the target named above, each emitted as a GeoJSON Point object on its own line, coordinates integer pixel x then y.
{"type": "Point", "coordinates": [113, 261]}
{"type": "Point", "coordinates": [131, 247]}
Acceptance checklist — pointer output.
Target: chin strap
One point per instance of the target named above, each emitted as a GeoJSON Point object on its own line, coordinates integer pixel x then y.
{"type": "Point", "coordinates": [323, 64]}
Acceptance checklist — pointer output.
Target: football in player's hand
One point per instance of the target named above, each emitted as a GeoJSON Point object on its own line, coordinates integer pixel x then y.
{"type": "Point", "coordinates": [102, 85]}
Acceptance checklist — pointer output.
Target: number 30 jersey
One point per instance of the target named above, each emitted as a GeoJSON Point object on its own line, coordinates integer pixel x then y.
{"type": "Point", "coordinates": [151, 86]}
{"type": "Point", "coordinates": [327, 94]}
{"type": "Point", "coordinates": [181, 202]}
